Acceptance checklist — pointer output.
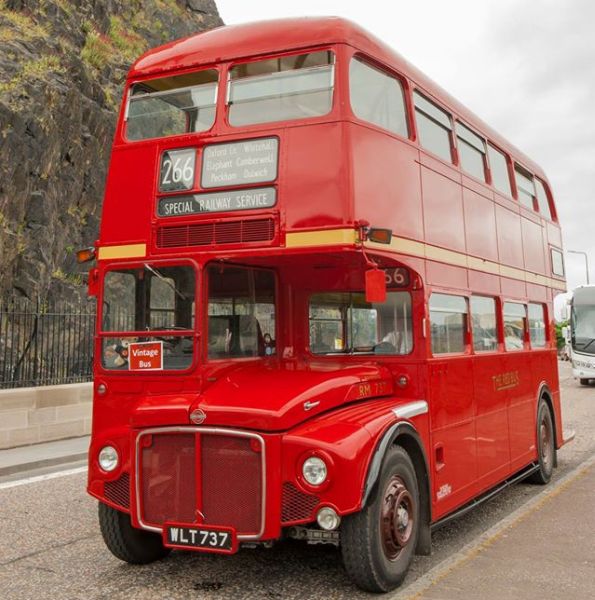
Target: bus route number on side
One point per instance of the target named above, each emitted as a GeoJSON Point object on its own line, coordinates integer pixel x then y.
{"type": "Point", "coordinates": [396, 277]}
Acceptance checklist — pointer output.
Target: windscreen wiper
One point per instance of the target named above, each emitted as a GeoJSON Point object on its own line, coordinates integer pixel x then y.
{"type": "Point", "coordinates": [166, 281]}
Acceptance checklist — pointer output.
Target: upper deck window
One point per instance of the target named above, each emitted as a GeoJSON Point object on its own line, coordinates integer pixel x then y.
{"type": "Point", "coordinates": [472, 151]}
{"type": "Point", "coordinates": [280, 89]}
{"type": "Point", "coordinates": [377, 97]}
{"type": "Point", "coordinates": [525, 187]}
{"type": "Point", "coordinates": [542, 200]}
{"type": "Point", "coordinates": [499, 169]}
{"type": "Point", "coordinates": [172, 105]}
{"type": "Point", "coordinates": [433, 127]}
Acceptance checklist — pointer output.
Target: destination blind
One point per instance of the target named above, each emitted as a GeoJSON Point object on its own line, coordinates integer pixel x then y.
{"type": "Point", "coordinates": [230, 201]}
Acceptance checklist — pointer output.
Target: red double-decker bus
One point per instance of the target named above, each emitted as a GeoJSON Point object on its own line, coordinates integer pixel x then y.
{"type": "Point", "coordinates": [325, 293]}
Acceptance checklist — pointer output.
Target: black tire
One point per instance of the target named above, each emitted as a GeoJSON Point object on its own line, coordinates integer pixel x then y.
{"type": "Point", "coordinates": [377, 551]}
{"type": "Point", "coordinates": [584, 381]}
{"type": "Point", "coordinates": [546, 448]}
{"type": "Point", "coordinates": [127, 543]}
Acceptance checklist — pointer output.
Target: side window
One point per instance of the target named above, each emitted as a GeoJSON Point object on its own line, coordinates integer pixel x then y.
{"type": "Point", "coordinates": [557, 263]}
{"type": "Point", "coordinates": [377, 97]}
{"type": "Point", "coordinates": [448, 320]}
{"type": "Point", "coordinates": [542, 200]}
{"type": "Point", "coordinates": [433, 127]}
{"type": "Point", "coordinates": [514, 325]}
{"type": "Point", "coordinates": [525, 187]}
{"type": "Point", "coordinates": [537, 325]}
{"type": "Point", "coordinates": [471, 152]}
{"type": "Point", "coordinates": [483, 324]}
{"type": "Point", "coordinates": [346, 322]}
{"type": "Point", "coordinates": [499, 170]}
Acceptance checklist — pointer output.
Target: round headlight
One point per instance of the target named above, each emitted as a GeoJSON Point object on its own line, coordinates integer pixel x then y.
{"type": "Point", "coordinates": [314, 470]}
{"type": "Point", "coordinates": [108, 458]}
{"type": "Point", "coordinates": [328, 519]}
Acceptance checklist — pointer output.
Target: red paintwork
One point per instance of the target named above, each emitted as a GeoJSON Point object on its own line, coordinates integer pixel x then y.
{"type": "Point", "coordinates": [333, 171]}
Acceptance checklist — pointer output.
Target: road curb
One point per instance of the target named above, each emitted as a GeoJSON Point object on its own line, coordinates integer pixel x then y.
{"type": "Point", "coordinates": [25, 468]}
{"type": "Point", "coordinates": [472, 549]}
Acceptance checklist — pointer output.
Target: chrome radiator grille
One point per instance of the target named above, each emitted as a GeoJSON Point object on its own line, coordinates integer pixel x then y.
{"type": "Point", "coordinates": [200, 475]}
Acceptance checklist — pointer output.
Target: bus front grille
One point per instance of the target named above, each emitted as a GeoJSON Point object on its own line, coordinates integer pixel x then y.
{"type": "Point", "coordinates": [202, 477]}
{"type": "Point", "coordinates": [215, 234]}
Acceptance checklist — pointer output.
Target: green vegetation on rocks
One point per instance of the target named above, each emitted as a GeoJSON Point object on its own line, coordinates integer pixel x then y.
{"type": "Point", "coordinates": [62, 67]}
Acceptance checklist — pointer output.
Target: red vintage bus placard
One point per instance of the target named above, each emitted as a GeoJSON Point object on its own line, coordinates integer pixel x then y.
{"type": "Point", "coordinates": [145, 356]}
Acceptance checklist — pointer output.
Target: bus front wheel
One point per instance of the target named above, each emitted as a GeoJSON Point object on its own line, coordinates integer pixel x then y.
{"type": "Point", "coordinates": [546, 449]}
{"type": "Point", "coordinates": [378, 542]}
{"type": "Point", "coordinates": [584, 382]}
{"type": "Point", "coordinates": [127, 543]}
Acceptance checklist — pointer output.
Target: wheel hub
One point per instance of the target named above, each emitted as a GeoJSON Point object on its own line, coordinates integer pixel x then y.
{"type": "Point", "coordinates": [397, 517]}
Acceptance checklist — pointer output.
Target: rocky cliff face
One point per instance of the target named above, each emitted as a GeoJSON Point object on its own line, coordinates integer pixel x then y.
{"type": "Point", "coordinates": [62, 67]}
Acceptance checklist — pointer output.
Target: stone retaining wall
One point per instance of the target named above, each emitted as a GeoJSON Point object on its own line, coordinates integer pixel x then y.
{"type": "Point", "coordinates": [42, 414]}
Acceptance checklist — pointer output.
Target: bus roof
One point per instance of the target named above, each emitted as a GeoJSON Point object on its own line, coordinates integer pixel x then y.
{"type": "Point", "coordinates": [245, 40]}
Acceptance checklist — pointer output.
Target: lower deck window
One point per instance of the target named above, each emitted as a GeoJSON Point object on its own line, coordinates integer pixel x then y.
{"type": "Point", "coordinates": [139, 301]}
{"type": "Point", "coordinates": [343, 322]}
{"type": "Point", "coordinates": [448, 320]}
{"type": "Point", "coordinates": [241, 312]}
{"type": "Point", "coordinates": [515, 317]}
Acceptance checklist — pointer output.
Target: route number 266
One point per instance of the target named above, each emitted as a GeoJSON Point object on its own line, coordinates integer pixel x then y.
{"type": "Point", "coordinates": [396, 277]}
{"type": "Point", "coordinates": [177, 170]}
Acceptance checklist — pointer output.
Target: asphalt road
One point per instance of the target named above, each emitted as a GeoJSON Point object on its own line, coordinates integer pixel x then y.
{"type": "Point", "coordinates": [50, 546]}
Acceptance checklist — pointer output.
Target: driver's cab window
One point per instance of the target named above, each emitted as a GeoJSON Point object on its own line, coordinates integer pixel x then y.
{"type": "Point", "coordinates": [149, 303]}
{"type": "Point", "coordinates": [343, 322]}
{"type": "Point", "coordinates": [241, 312]}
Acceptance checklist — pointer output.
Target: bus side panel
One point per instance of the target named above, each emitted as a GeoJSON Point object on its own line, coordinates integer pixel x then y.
{"type": "Point", "coordinates": [454, 453]}
{"type": "Point", "coordinates": [314, 184]}
{"type": "Point", "coordinates": [522, 407]}
{"type": "Point", "coordinates": [386, 184]}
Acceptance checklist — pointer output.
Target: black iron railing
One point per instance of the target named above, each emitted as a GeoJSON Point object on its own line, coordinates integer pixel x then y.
{"type": "Point", "coordinates": [45, 343]}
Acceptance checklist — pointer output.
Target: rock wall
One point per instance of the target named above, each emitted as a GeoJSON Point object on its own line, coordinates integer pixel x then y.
{"type": "Point", "coordinates": [62, 67]}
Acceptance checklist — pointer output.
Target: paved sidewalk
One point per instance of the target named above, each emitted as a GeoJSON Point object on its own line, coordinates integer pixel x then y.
{"type": "Point", "coordinates": [548, 552]}
{"type": "Point", "coordinates": [24, 459]}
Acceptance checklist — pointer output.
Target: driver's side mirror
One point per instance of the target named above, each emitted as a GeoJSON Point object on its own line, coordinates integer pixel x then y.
{"type": "Point", "coordinates": [375, 286]}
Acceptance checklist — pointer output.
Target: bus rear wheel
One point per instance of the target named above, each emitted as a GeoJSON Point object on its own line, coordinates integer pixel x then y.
{"type": "Point", "coordinates": [545, 446]}
{"type": "Point", "coordinates": [378, 543]}
{"type": "Point", "coordinates": [127, 543]}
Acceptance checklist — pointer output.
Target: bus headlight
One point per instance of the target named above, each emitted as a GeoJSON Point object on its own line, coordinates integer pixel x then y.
{"type": "Point", "coordinates": [328, 519]}
{"type": "Point", "coordinates": [314, 470]}
{"type": "Point", "coordinates": [108, 458]}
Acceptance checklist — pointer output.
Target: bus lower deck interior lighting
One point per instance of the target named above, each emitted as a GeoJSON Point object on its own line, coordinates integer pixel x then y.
{"type": "Point", "coordinates": [328, 519]}
{"type": "Point", "coordinates": [108, 458]}
{"type": "Point", "coordinates": [314, 470]}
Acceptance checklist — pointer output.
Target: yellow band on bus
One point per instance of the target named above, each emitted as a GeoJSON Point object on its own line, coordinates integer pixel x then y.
{"type": "Point", "coordinates": [304, 239]}
{"type": "Point", "coordinates": [128, 251]}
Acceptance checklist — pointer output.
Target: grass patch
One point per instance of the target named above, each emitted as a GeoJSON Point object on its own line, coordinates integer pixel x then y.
{"type": "Point", "coordinates": [16, 25]}
{"type": "Point", "coordinates": [129, 44]}
{"type": "Point", "coordinates": [97, 51]}
{"type": "Point", "coordinates": [33, 69]}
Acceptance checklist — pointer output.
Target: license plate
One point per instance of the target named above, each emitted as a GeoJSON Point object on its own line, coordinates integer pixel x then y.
{"type": "Point", "coordinates": [197, 537]}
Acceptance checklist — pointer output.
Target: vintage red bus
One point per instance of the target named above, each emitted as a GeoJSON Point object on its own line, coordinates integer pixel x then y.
{"type": "Point", "coordinates": [254, 379]}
